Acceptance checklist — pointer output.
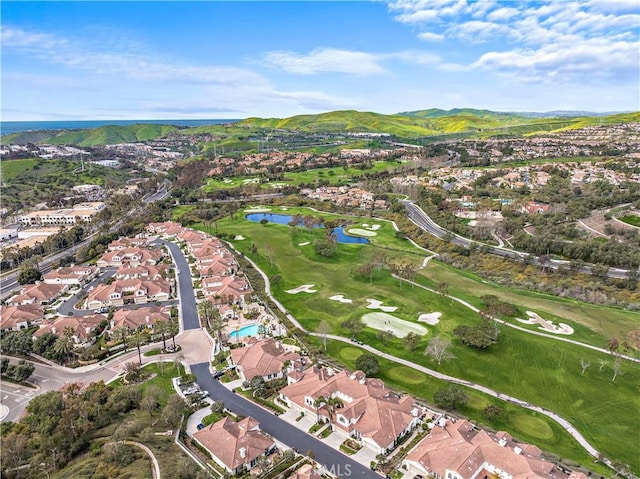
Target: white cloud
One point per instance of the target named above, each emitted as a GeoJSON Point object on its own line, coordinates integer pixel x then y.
{"type": "Point", "coordinates": [477, 31]}
{"type": "Point", "coordinates": [431, 37]}
{"type": "Point", "coordinates": [584, 61]}
{"type": "Point", "coordinates": [502, 14]}
{"type": "Point", "coordinates": [326, 60]}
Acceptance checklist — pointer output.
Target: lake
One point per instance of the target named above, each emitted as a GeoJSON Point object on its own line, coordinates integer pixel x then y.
{"type": "Point", "coordinates": [341, 236]}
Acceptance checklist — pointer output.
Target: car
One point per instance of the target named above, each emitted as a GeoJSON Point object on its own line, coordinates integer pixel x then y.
{"type": "Point", "coordinates": [200, 426]}
{"type": "Point", "coordinates": [418, 476]}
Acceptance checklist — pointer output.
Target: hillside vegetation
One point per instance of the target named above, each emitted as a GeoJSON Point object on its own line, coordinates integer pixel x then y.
{"type": "Point", "coordinates": [112, 134]}
{"type": "Point", "coordinates": [432, 124]}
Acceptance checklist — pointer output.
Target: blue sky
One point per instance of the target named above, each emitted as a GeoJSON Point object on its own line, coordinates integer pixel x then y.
{"type": "Point", "coordinates": [157, 60]}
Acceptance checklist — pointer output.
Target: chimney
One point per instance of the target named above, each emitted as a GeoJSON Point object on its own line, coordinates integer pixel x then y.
{"type": "Point", "coordinates": [517, 450]}
{"type": "Point", "coordinates": [243, 452]}
{"type": "Point", "coordinates": [502, 442]}
{"type": "Point", "coordinates": [442, 422]}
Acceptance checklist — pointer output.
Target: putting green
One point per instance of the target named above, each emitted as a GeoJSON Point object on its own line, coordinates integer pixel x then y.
{"type": "Point", "coordinates": [477, 402]}
{"type": "Point", "coordinates": [532, 425]}
{"type": "Point", "coordinates": [400, 327]}
{"type": "Point", "coordinates": [405, 374]}
{"type": "Point", "coordinates": [350, 354]}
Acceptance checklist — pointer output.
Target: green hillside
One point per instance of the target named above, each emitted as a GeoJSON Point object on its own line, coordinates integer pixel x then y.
{"type": "Point", "coordinates": [110, 135]}
{"type": "Point", "coordinates": [433, 125]}
{"type": "Point", "coordinates": [345, 121]}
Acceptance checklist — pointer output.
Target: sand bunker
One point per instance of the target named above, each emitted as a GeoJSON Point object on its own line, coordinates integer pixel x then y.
{"type": "Point", "coordinates": [341, 298]}
{"type": "Point", "coordinates": [305, 288]}
{"type": "Point", "coordinates": [430, 318]}
{"type": "Point", "coordinates": [305, 243]}
{"type": "Point", "coordinates": [387, 322]}
{"type": "Point", "coordinates": [284, 208]}
{"type": "Point", "coordinates": [361, 232]}
{"type": "Point", "coordinates": [227, 181]}
{"type": "Point", "coordinates": [545, 324]}
{"type": "Point", "coordinates": [250, 180]}
{"type": "Point", "coordinates": [375, 304]}
{"type": "Point", "coordinates": [257, 209]}
{"type": "Point", "coordinates": [238, 237]}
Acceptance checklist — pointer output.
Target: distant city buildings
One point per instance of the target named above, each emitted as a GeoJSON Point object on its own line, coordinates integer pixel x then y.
{"type": "Point", "coordinates": [66, 216]}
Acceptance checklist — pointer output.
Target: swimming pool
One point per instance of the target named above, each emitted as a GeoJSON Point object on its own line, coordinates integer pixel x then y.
{"type": "Point", "coordinates": [250, 330]}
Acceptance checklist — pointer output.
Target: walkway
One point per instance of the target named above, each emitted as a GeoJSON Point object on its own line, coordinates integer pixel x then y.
{"type": "Point", "coordinates": [155, 470]}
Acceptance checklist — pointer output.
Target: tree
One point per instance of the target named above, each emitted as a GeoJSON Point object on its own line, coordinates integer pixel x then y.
{"type": "Point", "coordinates": [23, 371]}
{"type": "Point", "coordinates": [617, 368]}
{"type": "Point", "coordinates": [324, 328]}
{"type": "Point", "coordinates": [317, 403]}
{"type": "Point", "coordinates": [29, 276]}
{"type": "Point", "coordinates": [492, 411]}
{"type": "Point", "coordinates": [355, 325]}
{"type": "Point", "coordinates": [162, 328]}
{"type": "Point", "coordinates": [438, 349]}
{"type": "Point", "coordinates": [121, 334]}
{"type": "Point", "coordinates": [450, 397]}
{"type": "Point", "coordinates": [412, 340]}
{"type": "Point", "coordinates": [481, 336]}
{"type": "Point", "coordinates": [4, 364]}
{"type": "Point", "coordinates": [138, 338]}
{"type": "Point", "coordinates": [386, 336]}
{"type": "Point", "coordinates": [584, 364]}
{"type": "Point", "coordinates": [217, 407]}
{"type": "Point", "coordinates": [63, 347]}
{"type": "Point", "coordinates": [368, 364]}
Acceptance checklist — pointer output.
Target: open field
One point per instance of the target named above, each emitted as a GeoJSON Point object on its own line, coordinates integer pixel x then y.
{"type": "Point", "coordinates": [539, 370]}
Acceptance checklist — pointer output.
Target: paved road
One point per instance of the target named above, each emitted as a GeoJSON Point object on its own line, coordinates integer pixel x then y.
{"type": "Point", "coordinates": [280, 429]}
{"type": "Point", "coordinates": [9, 281]}
{"type": "Point", "coordinates": [271, 424]}
{"type": "Point", "coordinates": [420, 218]}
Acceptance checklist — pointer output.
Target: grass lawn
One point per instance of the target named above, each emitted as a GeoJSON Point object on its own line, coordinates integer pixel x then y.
{"type": "Point", "coordinates": [523, 424]}
{"type": "Point", "coordinates": [633, 220]}
{"type": "Point", "coordinates": [11, 169]}
{"type": "Point", "coordinates": [539, 370]}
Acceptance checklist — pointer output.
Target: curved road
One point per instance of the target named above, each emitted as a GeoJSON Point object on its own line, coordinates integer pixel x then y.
{"type": "Point", "coordinates": [420, 218]}
{"type": "Point", "coordinates": [271, 424]}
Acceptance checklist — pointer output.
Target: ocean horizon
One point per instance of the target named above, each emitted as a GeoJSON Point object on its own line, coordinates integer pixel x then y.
{"type": "Point", "coordinates": [7, 127]}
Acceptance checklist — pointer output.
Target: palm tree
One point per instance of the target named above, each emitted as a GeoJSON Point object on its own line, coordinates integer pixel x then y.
{"type": "Point", "coordinates": [63, 347]}
{"type": "Point", "coordinates": [319, 401]}
{"type": "Point", "coordinates": [162, 328]}
{"type": "Point", "coordinates": [206, 312]}
{"type": "Point", "coordinates": [333, 403]}
{"type": "Point", "coordinates": [122, 333]}
{"type": "Point", "coordinates": [138, 338]}
{"type": "Point", "coordinates": [173, 331]}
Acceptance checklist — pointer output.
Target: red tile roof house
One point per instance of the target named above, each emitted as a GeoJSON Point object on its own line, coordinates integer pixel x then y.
{"type": "Point", "coordinates": [140, 291]}
{"type": "Point", "coordinates": [133, 256]}
{"type": "Point", "coordinates": [266, 358]}
{"type": "Point", "coordinates": [456, 449]}
{"type": "Point", "coordinates": [235, 446]}
{"type": "Point", "coordinates": [41, 293]}
{"type": "Point", "coordinates": [82, 327]}
{"type": "Point", "coordinates": [140, 318]}
{"type": "Point", "coordinates": [147, 272]}
{"type": "Point", "coordinates": [15, 318]}
{"type": "Point", "coordinates": [166, 229]}
{"type": "Point", "coordinates": [72, 275]}
{"type": "Point", "coordinates": [123, 243]}
{"type": "Point", "coordinates": [370, 413]}
{"type": "Point", "coordinates": [234, 288]}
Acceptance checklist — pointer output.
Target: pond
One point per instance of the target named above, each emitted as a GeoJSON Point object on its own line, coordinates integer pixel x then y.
{"type": "Point", "coordinates": [341, 236]}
